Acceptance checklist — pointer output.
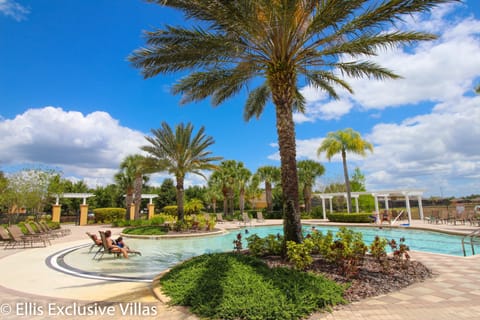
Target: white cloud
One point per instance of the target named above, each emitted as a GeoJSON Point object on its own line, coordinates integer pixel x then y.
{"type": "Point", "coordinates": [436, 71]}
{"type": "Point", "coordinates": [12, 9]}
{"type": "Point", "coordinates": [88, 146]}
{"type": "Point", "coordinates": [437, 151]}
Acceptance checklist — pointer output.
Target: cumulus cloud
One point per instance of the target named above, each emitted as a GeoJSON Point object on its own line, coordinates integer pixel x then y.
{"type": "Point", "coordinates": [13, 9]}
{"type": "Point", "coordinates": [437, 151]}
{"type": "Point", "coordinates": [433, 71]}
{"type": "Point", "coordinates": [89, 146]}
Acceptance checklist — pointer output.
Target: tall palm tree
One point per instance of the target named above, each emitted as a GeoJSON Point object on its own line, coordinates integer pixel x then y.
{"type": "Point", "coordinates": [181, 152]}
{"type": "Point", "coordinates": [269, 175]}
{"type": "Point", "coordinates": [342, 141]}
{"type": "Point", "coordinates": [308, 172]}
{"type": "Point", "coordinates": [231, 44]}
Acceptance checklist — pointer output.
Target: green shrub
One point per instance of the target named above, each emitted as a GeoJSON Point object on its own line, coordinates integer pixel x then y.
{"type": "Point", "coordinates": [317, 212]}
{"type": "Point", "coordinates": [300, 254]}
{"type": "Point", "coordinates": [170, 210]}
{"type": "Point", "coordinates": [350, 217]}
{"type": "Point", "coordinates": [108, 215]}
{"type": "Point", "coordinates": [270, 245]}
{"type": "Point", "coordinates": [157, 220]}
{"type": "Point", "coordinates": [236, 286]}
{"type": "Point", "coordinates": [146, 230]}
{"type": "Point", "coordinates": [348, 251]}
{"type": "Point", "coordinates": [193, 206]}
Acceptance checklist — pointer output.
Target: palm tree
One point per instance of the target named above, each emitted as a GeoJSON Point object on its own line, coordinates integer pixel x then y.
{"type": "Point", "coordinates": [477, 89]}
{"type": "Point", "coordinates": [269, 175]}
{"type": "Point", "coordinates": [125, 181]}
{"type": "Point", "coordinates": [137, 166]}
{"type": "Point", "coordinates": [243, 176]}
{"type": "Point", "coordinates": [229, 45]}
{"type": "Point", "coordinates": [213, 193]}
{"type": "Point", "coordinates": [181, 152]}
{"type": "Point", "coordinates": [342, 141]}
{"type": "Point", "coordinates": [308, 171]}
{"type": "Point", "coordinates": [226, 177]}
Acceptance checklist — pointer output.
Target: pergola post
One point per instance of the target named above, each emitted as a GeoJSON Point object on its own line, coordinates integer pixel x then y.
{"type": "Point", "coordinates": [420, 207]}
{"type": "Point", "coordinates": [324, 209]}
{"type": "Point", "coordinates": [83, 213]}
{"type": "Point", "coordinates": [356, 203]}
{"type": "Point", "coordinates": [409, 211]}
{"type": "Point", "coordinates": [331, 205]}
{"type": "Point", "coordinates": [56, 211]}
{"type": "Point", "coordinates": [131, 209]}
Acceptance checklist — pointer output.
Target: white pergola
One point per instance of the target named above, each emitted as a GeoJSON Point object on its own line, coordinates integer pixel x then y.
{"type": "Point", "coordinates": [377, 195]}
{"type": "Point", "coordinates": [83, 196]}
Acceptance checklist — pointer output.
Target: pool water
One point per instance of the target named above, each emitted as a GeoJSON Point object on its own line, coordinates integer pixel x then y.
{"type": "Point", "coordinates": [161, 254]}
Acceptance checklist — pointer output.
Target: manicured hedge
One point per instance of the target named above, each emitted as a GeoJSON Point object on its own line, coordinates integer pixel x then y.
{"type": "Point", "coordinates": [107, 215]}
{"type": "Point", "coordinates": [350, 217]}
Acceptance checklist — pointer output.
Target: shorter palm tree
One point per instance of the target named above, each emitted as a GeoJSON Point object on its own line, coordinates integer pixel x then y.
{"type": "Point", "coordinates": [308, 172]}
{"type": "Point", "coordinates": [342, 141]}
{"type": "Point", "coordinates": [270, 175]}
{"type": "Point", "coordinates": [181, 152]}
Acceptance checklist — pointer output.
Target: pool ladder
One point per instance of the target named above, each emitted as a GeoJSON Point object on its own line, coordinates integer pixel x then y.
{"type": "Point", "coordinates": [472, 236]}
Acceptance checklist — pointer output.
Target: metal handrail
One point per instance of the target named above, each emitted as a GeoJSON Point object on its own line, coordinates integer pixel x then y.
{"type": "Point", "coordinates": [472, 235]}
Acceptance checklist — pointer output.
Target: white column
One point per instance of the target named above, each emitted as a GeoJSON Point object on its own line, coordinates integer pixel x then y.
{"type": "Point", "coordinates": [324, 210]}
{"type": "Point", "coordinates": [331, 206]}
{"type": "Point", "coordinates": [409, 211]}
{"type": "Point", "coordinates": [348, 205]}
{"type": "Point", "coordinates": [420, 207]}
{"type": "Point", "coordinates": [376, 203]}
{"type": "Point", "coordinates": [356, 204]}
{"type": "Point", "coordinates": [386, 203]}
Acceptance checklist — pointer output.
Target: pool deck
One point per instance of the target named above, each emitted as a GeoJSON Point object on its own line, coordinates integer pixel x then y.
{"type": "Point", "coordinates": [29, 289]}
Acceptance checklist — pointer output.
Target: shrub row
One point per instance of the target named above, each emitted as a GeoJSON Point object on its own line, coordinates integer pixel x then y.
{"type": "Point", "coordinates": [107, 215]}
{"type": "Point", "coordinates": [350, 217]}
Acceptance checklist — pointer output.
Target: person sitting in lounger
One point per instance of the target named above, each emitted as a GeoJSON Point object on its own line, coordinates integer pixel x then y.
{"type": "Point", "coordinates": [112, 247]}
{"type": "Point", "coordinates": [119, 242]}
{"type": "Point", "coordinates": [94, 237]}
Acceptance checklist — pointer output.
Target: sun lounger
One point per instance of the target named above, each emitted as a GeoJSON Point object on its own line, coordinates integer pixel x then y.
{"type": "Point", "coordinates": [19, 238]}
{"type": "Point", "coordinates": [32, 232]}
{"type": "Point", "coordinates": [260, 217]}
{"type": "Point", "coordinates": [5, 236]}
{"type": "Point", "coordinates": [220, 218]}
{"type": "Point", "coordinates": [96, 242]}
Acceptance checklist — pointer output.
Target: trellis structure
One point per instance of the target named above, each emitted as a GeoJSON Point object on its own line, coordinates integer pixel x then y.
{"type": "Point", "coordinates": [407, 194]}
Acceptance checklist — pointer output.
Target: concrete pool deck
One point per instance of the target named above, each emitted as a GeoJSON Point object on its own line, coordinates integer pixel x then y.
{"type": "Point", "coordinates": [25, 278]}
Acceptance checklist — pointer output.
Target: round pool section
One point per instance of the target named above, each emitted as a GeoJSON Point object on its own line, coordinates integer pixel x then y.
{"type": "Point", "coordinates": [161, 254]}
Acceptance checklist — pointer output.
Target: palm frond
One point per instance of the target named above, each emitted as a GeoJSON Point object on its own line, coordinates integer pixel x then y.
{"type": "Point", "coordinates": [256, 101]}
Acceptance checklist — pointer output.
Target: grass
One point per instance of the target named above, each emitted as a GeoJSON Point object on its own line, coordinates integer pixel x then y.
{"type": "Point", "coordinates": [236, 286]}
{"type": "Point", "coordinates": [146, 230]}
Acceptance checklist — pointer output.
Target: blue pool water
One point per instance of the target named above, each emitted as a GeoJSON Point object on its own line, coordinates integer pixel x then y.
{"type": "Point", "coordinates": [161, 254]}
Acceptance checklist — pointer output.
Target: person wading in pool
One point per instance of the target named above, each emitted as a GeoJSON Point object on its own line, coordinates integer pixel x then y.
{"type": "Point", "coordinates": [112, 246]}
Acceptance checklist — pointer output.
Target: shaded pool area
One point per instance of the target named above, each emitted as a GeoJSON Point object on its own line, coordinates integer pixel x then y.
{"type": "Point", "coordinates": [160, 254]}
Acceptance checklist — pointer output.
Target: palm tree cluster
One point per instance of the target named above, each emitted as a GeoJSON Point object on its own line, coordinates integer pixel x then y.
{"type": "Point", "coordinates": [230, 46]}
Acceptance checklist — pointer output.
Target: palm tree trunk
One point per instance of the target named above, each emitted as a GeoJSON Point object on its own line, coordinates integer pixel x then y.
{"type": "Point", "coordinates": [214, 205]}
{"type": "Point", "coordinates": [347, 181]}
{"type": "Point", "coordinates": [180, 192]}
{"type": "Point", "coordinates": [307, 197]}
{"type": "Point", "coordinates": [231, 201]}
{"type": "Point", "coordinates": [242, 201]}
{"type": "Point", "coordinates": [268, 196]}
{"type": "Point", "coordinates": [138, 195]}
{"type": "Point", "coordinates": [128, 202]}
{"type": "Point", "coordinates": [225, 201]}
{"type": "Point", "coordinates": [283, 99]}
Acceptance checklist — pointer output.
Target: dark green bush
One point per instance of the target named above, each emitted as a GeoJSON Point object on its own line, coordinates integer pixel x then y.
{"type": "Point", "coordinates": [270, 245]}
{"type": "Point", "coordinates": [107, 215]}
{"type": "Point", "coordinates": [350, 217]}
{"type": "Point", "coordinates": [146, 230]}
{"type": "Point", "coordinates": [170, 210]}
{"type": "Point", "coordinates": [235, 286]}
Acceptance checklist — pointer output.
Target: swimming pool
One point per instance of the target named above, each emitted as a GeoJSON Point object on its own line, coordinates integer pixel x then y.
{"type": "Point", "coordinates": [161, 254]}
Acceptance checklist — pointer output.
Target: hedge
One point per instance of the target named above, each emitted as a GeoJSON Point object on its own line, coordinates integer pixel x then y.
{"type": "Point", "coordinates": [107, 215]}
{"type": "Point", "coordinates": [350, 217]}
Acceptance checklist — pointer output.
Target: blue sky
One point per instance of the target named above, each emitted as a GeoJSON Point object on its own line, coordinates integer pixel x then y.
{"type": "Point", "coordinates": [70, 100]}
